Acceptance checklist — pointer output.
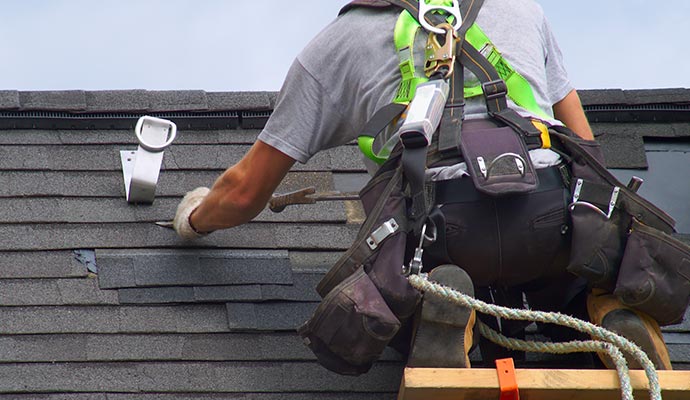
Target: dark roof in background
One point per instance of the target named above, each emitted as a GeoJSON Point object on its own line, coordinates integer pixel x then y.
{"type": "Point", "coordinates": [98, 302]}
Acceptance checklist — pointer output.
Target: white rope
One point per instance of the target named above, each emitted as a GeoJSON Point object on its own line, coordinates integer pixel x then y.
{"type": "Point", "coordinates": [607, 341]}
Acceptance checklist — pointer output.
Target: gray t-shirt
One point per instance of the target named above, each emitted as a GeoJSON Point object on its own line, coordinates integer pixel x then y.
{"type": "Point", "coordinates": [350, 70]}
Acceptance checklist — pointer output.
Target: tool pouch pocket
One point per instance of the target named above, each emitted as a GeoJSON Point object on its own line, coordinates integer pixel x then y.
{"type": "Point", "coordinates": [655, 274]}
{"type": "Point", "coordinates": [351, 327]}
{"type": "Point", "coordinates": [498, 161]}
{"type": "Point", "coordinates": [597, 246]}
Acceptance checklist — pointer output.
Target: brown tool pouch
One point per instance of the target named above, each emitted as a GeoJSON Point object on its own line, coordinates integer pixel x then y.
{"type": "Point", "coordinates": [366, 295]}
{"type": "Point", "coordinates": [498, 160]}
{"type": "Point", "coordinates": [655, 274]}
{"type": "Point", "coordinates": [622, 243]}
{"type": "Point", "coordinates": [351, 326]}
{"type": "Point", "coordinates": [599, 235]}
{"type": "Point", "coordinates": [380, 245]}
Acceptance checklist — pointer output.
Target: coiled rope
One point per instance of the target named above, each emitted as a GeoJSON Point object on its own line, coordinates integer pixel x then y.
{"type": "Point", "coordinates": [607, 341]}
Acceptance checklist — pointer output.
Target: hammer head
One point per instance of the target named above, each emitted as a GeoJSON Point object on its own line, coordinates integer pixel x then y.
{"type": "Point", "coordinates": [279, 202]}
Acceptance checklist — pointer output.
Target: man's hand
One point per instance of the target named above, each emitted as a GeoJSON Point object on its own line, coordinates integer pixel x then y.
{"type": "Point", "coordinates": [188, 204]}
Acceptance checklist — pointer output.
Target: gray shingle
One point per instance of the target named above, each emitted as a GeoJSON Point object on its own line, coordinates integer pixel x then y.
{"type": "Point", "coordinates": [671, 95]}
{"type": "Point", "coordinates": [623, 151]}
{"type": "Point", "coordinates": [271, 316]}
{"type": "Point", "coordinates": [53, 183]}
{"type": "Point", "coordinates": [663, 130]}
{"type": "Point", "coordinates": [228, 293]}
{"type": "Point", "coordinates": [160, 295]}
{"type": "Point", "coordinates": [9, 100]}
{"type": "Point", "coordinates": [107, 210]}
{"type": "Point", "coordinates": [109, 319]}
{"type": "Point", "coordinates": [40, 264]}
{"type": "Point", "coordinates": [158, 347]}
{"type": "Point", "coordinates": [599, 97]}
{"type": "Point", "coordinates": [248, 396]}
{"type": "Point", "coordinates": [42, 348]}
{"type": "Point", "coordinates": [39, 292]}
{"type": "Point", "coordinates": [194, 268]}
{"type": "Point", "coordinates": [67, 100]}
{"type": "Point", "coordinates": [303, 289]}
{"type": "Point", "coordinates": [110, 183]}
{"type": "Point", "coordinates": [192, 378]}
{"type": "Point", "coordinates": [114, 272]}
{"type": "Point", "coordinates": [117, 100]}
{"type": "Point", "coordinates": [177, 100]}
{"type": "Point", "coordinates": [56, 396]}
{"type": "Point", "coordinates": [244, 101]}
{"type": "Point", "coordinates": [123, 137]}
{"type": "Point", "coordinates": [319, 262]}
{"type": "Point", "coordinates": [141, 235]}
{"type": "Point", "coordinates": [679, 353]}
{"type": "Point", "coordinates": [107, 158]}
{"type": "Point", "coordinates": [682, 327]}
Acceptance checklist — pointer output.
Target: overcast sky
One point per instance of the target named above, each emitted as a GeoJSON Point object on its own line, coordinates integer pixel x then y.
{"type": "Point", "coordinates": [248, 45]}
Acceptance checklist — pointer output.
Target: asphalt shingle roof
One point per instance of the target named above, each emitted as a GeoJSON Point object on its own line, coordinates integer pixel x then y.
{"type": "Point", "coordinates": [166, 319]}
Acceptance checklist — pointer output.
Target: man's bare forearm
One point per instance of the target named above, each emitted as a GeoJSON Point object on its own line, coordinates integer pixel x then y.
{"type": "Point", "coordinates": [243, 190]}
{"type": "Point", "coordinates": [570, 112]}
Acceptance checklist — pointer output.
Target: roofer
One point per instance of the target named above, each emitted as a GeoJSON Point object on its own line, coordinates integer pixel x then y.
{"type": "Point", "coordinates": [509, 245]}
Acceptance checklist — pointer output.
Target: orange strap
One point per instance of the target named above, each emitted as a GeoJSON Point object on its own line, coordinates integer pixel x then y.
{"type": "Point", "coordinates": [507, 381]}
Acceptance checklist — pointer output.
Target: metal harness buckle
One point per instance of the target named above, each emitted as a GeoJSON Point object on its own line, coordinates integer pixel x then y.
{"type": "Point", "coordinates": [495, 89]}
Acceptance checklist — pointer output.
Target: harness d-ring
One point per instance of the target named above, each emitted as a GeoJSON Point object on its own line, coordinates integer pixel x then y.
{"type": "Point", "coordinates": [453, 9]}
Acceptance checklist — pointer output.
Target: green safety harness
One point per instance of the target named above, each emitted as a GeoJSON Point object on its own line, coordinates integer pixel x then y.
{"type": "Point", "coordinates": [406, 30]}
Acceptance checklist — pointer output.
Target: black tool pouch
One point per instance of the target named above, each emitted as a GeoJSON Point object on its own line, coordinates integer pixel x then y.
{"type": "Point", "coordinates": [351, 326]}
{"type": "Point", "coordinates": [498, 160]}
{"type": "Point", "coordinates": [655, 274]}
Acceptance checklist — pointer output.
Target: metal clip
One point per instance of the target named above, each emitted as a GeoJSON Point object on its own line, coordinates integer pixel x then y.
{"type": "Point", "coordinates": [382, 232]}
{"type": "Point", "coordinates": [416, 266]}
{"type": "Point", "coordinates": [141, 168]}
{"type": "Point", "coordinates": [453, 10]}
{"type": "Point", "coordinates": [437, 55]}
{"type": "Point", "coordinates": [576, 200]}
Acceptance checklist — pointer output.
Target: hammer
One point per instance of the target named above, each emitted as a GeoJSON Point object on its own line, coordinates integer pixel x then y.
{"type": "Point", "coordinates": [306, 196]}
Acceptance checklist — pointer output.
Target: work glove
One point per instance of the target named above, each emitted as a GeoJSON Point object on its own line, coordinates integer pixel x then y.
{"type": "Point", "coordinates": [189, 203]}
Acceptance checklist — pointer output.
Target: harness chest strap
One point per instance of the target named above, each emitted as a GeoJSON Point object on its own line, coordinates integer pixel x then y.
{"type": "Point", "coordinates": [493, 86]}
{"type": "Point", "coordinates": [519, 89]}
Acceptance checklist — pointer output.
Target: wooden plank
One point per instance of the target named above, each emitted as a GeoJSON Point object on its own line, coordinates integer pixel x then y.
{"type": "Point", "coordinates": [535, 384]}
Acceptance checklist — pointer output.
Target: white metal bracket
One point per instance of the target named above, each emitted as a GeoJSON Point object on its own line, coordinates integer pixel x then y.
{"type": "Point", "coordinates": [141, 168]}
